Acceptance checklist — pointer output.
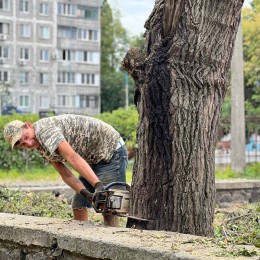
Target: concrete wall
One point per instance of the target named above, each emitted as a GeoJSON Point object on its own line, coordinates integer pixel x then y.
{"type": "Point", "coordinates": [36, 238]}
{"type": "Point", "coordinates": [237, 192]}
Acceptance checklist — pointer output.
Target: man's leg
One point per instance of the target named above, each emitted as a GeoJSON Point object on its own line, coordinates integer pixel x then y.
{"type": "Point", "coordinates": [80, 214]}
{"type": "Point", "coordinates": [114, 171]}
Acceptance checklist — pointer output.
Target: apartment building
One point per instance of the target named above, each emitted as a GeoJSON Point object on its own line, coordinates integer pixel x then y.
{"type": "Point", "coordinates": [50, 55]}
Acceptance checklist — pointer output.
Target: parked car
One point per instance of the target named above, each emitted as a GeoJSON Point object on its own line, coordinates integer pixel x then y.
{"type": "Point", "coordinates": [9, 110]}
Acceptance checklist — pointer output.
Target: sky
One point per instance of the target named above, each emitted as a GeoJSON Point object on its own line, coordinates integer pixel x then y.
{"type": "Point", "coordinates": [136, 12]}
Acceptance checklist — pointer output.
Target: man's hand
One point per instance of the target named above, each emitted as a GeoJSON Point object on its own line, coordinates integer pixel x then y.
{"type": "Point", "coordinates": [98, 187]}
{"type": "Point", "coordinates": [86, 194]}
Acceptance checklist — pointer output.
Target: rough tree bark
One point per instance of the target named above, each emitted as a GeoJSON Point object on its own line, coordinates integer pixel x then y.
{"type": "Point", "coordinates": [181, 81]}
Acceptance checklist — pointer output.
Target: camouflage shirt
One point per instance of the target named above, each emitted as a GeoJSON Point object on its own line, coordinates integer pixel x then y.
{"type": "Point", "coordinates": [91, 138]}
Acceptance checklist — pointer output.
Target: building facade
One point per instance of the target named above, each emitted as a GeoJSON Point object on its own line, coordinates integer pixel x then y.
{"type": "Point", "coordinates": [50, 55]}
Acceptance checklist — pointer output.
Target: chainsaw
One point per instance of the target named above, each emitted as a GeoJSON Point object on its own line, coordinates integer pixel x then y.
{"type": "Point", "coordinates": [114, 199]}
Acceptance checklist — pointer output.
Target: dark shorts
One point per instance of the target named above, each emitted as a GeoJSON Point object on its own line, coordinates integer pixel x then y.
{"type": "Point", "coordinates": [113, 171]}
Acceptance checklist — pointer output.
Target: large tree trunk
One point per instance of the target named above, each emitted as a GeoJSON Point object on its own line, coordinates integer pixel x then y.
{"type": "Point", "coordinates": [180, 86]}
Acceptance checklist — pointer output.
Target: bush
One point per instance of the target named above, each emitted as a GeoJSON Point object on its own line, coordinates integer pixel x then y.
{"type": "Point", "coordinates": [17, 158]}
{"type": "Point", "coordinates": [250, 172]}
{"type": "Point", "coordinates": [125, 122]}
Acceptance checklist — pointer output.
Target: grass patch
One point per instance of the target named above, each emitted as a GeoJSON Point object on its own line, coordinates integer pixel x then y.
{"type": "Point", "coordinates": [48, 174]}
{"type": "Point", "coordinates": [250, 172]}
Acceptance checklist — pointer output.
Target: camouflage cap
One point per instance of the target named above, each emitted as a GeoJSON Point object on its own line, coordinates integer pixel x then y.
{"type": "Point", "coordinates": [13, 131]}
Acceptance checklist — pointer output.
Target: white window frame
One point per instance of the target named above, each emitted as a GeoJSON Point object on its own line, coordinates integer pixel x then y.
{"type": "Point", "coordinates": [44, 32]}
{"type": "Point", "coordinates": [67, 32]}
{"type": "Point", "coordinates": [66, 77]}
{"type": "Point", "coordinates": [88, 12]}
{"type": "Point", "coordinates": [67, 100]}
{"type": "Point", "coordinates": [4, 52]}
{"type": "Point", "coordinates": [24, 53]}
{"type": "Point", "coordinates": [44, 55]}
{"type": "Point", "coordinates": [44, 78]}
{"type": "Point", "coordinates": [4, 76]}
{"type": "Point", "coordinates": [44, 9]}
{"type": "Point", "coordinates": [4, 28]}
{"type": "Point", "coordinates": [88, 79]}
{"type": "Point", "coordinates": [44, 102]}
{"type": "Point", "coordinates": [90, 101]}
{"type": "Point", "coordinates": [93, 35]}
{"type": "Point", "coordinates": [67, 9]}
{"type": "Point", "coordinates": [65, 55]}
{"type": "Point", "coordinates": [5, 5]}
{"type": "Point", "coordinates": [25, 30]}
{"type": "Point", "coordinates": [23, 78]}
{"type": "Point", "coordinates": [24, 6]}
{"type": "Point", "coordinates": [24, 101]}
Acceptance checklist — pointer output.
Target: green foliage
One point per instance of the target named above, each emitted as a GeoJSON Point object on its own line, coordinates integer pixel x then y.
{"type": "Point", "coordinates": [17, 158]}
{"type": "Point", "coordinates": [239, 227]}
{"type": "Point", "coordinates": [125, 122]}
{"type": "Point", "coordinates": [251, 49]}
{"type": "Point", "coordinates": [137, 41]}
{"type": "Point", "coordinates": [114, 43]}
{"type": "Point", "coordinates": [250, 172]}
{"type": "Point", "coordinates": [114, 92]}
{"type": "Point", "coordinates": [41, 204]}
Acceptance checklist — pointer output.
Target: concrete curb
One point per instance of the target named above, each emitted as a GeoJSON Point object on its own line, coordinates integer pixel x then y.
{"type": "Point", "coordinates": [83, 239]}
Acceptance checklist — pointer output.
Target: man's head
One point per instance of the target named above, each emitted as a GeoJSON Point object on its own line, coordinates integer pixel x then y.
{"type": "Point", "coordinates": [13, 131]}
{"type": "Point", "coordinates": [21, 135]}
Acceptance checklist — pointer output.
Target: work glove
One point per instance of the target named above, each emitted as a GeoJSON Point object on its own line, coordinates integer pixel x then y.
{"type": "Point", "coordinates": [86, 194]}
{"type": "Point", "coordinates": [98, 187]}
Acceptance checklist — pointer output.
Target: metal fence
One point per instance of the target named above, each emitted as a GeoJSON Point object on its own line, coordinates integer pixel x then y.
{"type": "Point", "coordinates": [252, 148]}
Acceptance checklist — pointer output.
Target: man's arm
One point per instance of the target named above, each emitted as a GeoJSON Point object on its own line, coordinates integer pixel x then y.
{"type": "Point", "coordinates": [68, 177]}
{"type": "Point", "coordinates": [77, 163]}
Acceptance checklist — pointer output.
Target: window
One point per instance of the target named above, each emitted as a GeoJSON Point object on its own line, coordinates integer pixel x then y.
{"type": "Point", "coordinates": [24, 53]}
{"type": "Point", "coordinates": [44, 101]}
{"type": "Point", "coordinates": [84, 56]}
{"type": "Point", "coordinates": [25, 30]}
{"type": "Point", "coordinates": [67, 100]}
{"type": "Point", "coordinates": [23, 78]}
{"type": "Point", "coordinates": [4, 76]}
{"type": "Point", "coordinates": [66, 77]}
{"type": "Point", "coordinates": [88, 56]}
{"type": "Point", "coordinates": [44, 32]}
{"type": "Point", "coordinates": [4, 52]}
{"type": "Point", "coordinates": [4, 4]}
{"type": "Point", "coordinates": [88, 101]}
{"type": "Point", "coordinates": [87, 12]}
{"type": "Point", "coordinates": [44, 78]}
{"type": "Point", "coordinates": [91, 35]}
{"type": "Point", "coordinates": [67, 32]}
{"type": "Point", "coordinates": [44, 55]}
{"type": "Point", "coordinates": [44, 8]}
{"type": "Point", "coordinates": [66, 9]}
{"type": "Point", "coordinates": [24, 6]}
{"type": "Point", "coordinates": [87, 78]}
{"type": "Point", "coordinates": [82, 34]}
{"type": "Point", "coordinates": [24, 101]}
{"type": "Point", "coordinates": [4, 28]}
{"type": "Point", "coordinates": [65, 55]}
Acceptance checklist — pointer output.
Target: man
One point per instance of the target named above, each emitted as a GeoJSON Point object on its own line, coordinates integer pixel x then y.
{"type": "Point", "coordinates": [91, 147]}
